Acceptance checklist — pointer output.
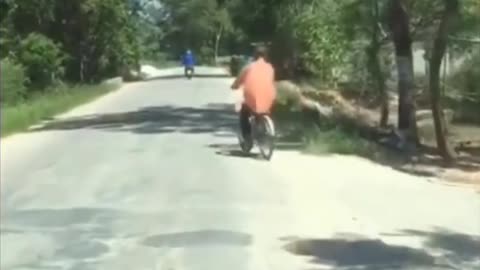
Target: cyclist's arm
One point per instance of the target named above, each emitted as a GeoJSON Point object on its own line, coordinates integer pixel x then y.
{"type": "Point", "coordinates": [240, 78]}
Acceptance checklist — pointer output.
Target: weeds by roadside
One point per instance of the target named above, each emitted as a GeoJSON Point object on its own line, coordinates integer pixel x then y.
{"type": "Point", "coordinates": [336, 140]}
{"type": "Point", "coordinates": [19, 117]}
{"type": "Point", "coordinates": [320, 138]}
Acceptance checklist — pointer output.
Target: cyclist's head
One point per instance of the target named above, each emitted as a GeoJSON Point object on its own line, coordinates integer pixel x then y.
{"type": "Point", "coordinates": [260, 52]}
{"type": "Point", "coordinates": [189, 51]}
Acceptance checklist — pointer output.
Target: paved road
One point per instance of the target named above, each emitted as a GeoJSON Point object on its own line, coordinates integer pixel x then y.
{"type": "Point", "coordinates": [148, 177]}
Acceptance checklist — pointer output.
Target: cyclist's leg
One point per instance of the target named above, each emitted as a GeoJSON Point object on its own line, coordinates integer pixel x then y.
{"type": "Point", "coordinates": [245, 113]}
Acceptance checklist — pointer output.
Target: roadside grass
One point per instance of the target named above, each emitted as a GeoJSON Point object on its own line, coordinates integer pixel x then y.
{"type": "Point", "coordinates": [19, 117]}
{"type": "Point", "coordinates": [318, 138]}
{"type": "Point", "coordinates": [336, 140]}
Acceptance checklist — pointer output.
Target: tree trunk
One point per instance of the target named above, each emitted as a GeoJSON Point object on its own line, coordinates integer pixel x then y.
{"type": "Point", "coordinates": [438, 53]}
{"type": "Point", "coordinates": [384, 107]}
{"type": "Point", "coordinates": [375, 66]}
{"type": "Point", "coordinates": [376, 74]}
{"type": "Point", "coordinates": [399, 25]}
{"type": "Point", "coordinates": [426, 57]}
{"type": "Point", "coordinates": [217, 43]}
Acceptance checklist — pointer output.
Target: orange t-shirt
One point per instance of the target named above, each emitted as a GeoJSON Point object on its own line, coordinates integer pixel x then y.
{"type": "Point", "coordinates": [258, 81]}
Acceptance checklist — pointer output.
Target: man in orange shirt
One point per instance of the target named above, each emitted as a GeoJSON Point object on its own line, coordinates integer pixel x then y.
{"type": "Point", "coordinates": [258, 81]}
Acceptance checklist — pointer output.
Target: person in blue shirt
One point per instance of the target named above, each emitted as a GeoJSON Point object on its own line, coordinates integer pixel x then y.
{"type": "Point", "coordinates": [188, 61]}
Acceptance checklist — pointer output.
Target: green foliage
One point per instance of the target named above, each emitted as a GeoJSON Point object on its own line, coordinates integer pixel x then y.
{"type": "Point", "coordinates": [42, 58]}
{"type": "Point", "coordinates": [257, 19]}
{"type": "Point", "coordinates": [325, 47]}
{"type": "Point", "coordinates": [205, 55]}
{"type": "Point", "coordinates": [28, 16]}
{"type": "Point", "coordinates": [198, 25]}
{"type": "Point", "coordinates": [13, 82]}
{"type": "Point", "coordinates": [469, 22]}
{"type": "Point", "coordinates": [149, 39]}
{"type": "Point", "coordinates": [108, 42]}
{"type": "Point", "coordinates": [467, 78]}
{"type": "Point", "coordinates": [19, 117]}
{"type": "Point", "coordinates": [338, 141]}
{"type": "Point", "coordinates": [317, 34]}
{"type": "Point", "coordinates": [99, 37]}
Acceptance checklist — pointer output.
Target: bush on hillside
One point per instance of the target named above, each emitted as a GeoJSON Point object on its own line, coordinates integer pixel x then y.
{"type": "Point", "coordinates": [466, 82]}
{"type": "Point", "coordinates": [13, 81]}
{"type": "Point", "coordinates": [43, 60]}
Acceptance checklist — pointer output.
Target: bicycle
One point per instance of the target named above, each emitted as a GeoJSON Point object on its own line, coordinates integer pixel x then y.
{"type": "Point", "coordinates": [262, 135]}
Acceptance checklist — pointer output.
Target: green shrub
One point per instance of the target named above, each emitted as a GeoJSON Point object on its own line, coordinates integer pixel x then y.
{"type": "Point", "coordinates": [467, 78]}
{"type": "Point", "coordinates": [316, 35]}
{"type": "Point", "coordinates": [42, 59]}
{"type": "Point", "coordinates": [466, 86]}
{"type": "Point", "coordinates": [13, 81]}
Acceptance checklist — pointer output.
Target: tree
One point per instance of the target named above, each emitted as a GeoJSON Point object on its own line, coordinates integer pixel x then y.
{"type": "Point", "coordinates": [438, 53]}
{"type": "Point", "coordinates": [194, 24]}
{"type": "Point", "coordinates": [373, 52]}
{"type": "Point", "coordinates": [42, 58]}
{"type": "Point", "coordinates": [223, 24]}
{"type": "Point", "coordinates": [363, 22]}
{"type": "Point", "coordinates": [399, 23]}
{"type": "Point", "coordinates": [83, 29]}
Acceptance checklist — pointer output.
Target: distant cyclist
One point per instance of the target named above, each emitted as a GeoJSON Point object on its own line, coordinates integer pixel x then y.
{"type": "Point", "coordinates": [188, 61]}
{"type": "Point", "coordinates": [258, 81]}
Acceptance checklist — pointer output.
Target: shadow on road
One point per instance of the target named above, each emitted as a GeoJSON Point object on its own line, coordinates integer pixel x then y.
{"type": "Point", "coordinates": [232, 150]}
{"type": "Point", "coordinates": [199, 238]}
{"type": "Point", "coordinates": [457, 247]}
{"type": "Point", "coordinates": [151, 120]}
{"type": "Point", "coordinates": [180, 76]}
{"type": "Point", "coordinates": [345, 253]}
{"type": "Point", "coordinates": [452, 251]}
{"type": "Point", "coordinates": [78, 235]}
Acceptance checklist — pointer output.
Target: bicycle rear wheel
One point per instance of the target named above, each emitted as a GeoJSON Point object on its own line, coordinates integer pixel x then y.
{"type": "Point", "coordinates": [266, 136]}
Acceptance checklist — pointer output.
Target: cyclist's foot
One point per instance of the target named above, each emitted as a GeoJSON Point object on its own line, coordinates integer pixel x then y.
{"type": "Point", "coordinates": [245, 143]}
